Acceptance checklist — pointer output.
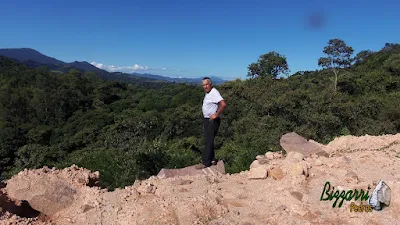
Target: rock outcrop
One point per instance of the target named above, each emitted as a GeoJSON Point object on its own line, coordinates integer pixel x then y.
{"type": "Point", "coordinates": [292, 142]}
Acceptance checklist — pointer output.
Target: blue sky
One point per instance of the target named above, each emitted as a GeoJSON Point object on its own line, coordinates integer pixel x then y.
{"type": "Point", "coordinates": [195, 38]}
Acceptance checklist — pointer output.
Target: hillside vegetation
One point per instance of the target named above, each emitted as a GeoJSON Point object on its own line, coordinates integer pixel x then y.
{"type": "Point", "coordinates": [131, 131]}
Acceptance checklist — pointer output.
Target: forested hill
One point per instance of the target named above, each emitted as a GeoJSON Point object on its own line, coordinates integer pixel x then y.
{"type": "Point", "coordinates": [130, 131]}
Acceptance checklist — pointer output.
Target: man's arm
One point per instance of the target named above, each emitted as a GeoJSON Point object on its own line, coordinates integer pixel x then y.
{"type": "Point", "coordinates": [221, 108]}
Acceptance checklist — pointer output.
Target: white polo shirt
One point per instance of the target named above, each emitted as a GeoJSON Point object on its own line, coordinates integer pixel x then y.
{"type": "Point", "coordinates": [210, 102]}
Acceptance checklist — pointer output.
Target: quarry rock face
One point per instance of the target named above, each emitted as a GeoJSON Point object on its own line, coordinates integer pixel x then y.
{"type": "Point", "coordinates": [292, 142]}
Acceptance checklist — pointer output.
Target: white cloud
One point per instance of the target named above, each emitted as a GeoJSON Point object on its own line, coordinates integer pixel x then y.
{"type": "Point", "coordinates": [98, 65]}
{"type": "Point", "coordinates": [129, 69]}
{"type": "Point", "coordinates": [137, 67]}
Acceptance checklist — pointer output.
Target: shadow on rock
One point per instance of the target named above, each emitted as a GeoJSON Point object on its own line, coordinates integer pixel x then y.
{"type": "Point", "coordinates": [20, 208]}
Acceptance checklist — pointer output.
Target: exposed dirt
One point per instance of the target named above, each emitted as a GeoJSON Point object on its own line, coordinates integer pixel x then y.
{"type": "Point", "coordinates": [355, 163]}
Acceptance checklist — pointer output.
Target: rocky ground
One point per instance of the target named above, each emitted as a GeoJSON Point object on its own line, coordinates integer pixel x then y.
{"type": "Point", "coordinates": [277, 189]}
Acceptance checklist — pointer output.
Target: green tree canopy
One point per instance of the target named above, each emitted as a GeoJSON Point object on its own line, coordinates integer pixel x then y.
{"type": "Point", "coordinates": [131, 131]}
{"type": "Point", "coordinates": [338, 56]}
{"type": "Point", "coordinates": [269, 64]}
{"type": "Point", "coordinates": [362, 55]}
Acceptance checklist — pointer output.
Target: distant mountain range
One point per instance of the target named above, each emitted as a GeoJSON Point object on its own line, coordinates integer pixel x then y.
{"type": "Point", "coordinates": [215, 80]}
{"type": "Point", "coordinates": [35, 59]}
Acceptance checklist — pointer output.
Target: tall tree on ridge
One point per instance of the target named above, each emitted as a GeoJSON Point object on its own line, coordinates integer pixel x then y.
{"type": "Point", "coordinates": [338, 56]}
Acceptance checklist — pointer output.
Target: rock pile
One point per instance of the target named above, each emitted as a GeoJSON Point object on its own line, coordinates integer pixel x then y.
{"type": "Point", "coordinates": [279, 186]}
{"type": "Point", "coordinates": [277, 166]}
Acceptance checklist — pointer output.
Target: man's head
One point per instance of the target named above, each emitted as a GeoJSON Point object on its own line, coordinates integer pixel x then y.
{"type": "Point", "coordinates": [207, 84]}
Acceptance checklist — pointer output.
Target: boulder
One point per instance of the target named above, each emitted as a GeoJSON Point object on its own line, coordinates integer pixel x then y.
{"type": "Point", "coordinates": [269, 155]}
{"type": "Point", "coordinates": [276, 173]}
{"type": "Point", "coordinates": [292, 142]}
{"type": "Point", "coordinates": [294, 157]}
{"type": "Point", "coordinates": [278, 155]}
{"type": "Point", "coordinates": [146, 188]}
{"type": "Point", "coordinates": [21, 208]}
{"type": "Point", "coordinates": [296, 169]}
{"type": "Point", "coordinates": [191, 171]}
{"type": "Point", "coordinates": [255, 164]}
{"type": "Point", "coordinates": [46, 195]}
{"type": "Point", "coordinates": [260, 157]}
{"type": "Point", "coordinates": [263, 160]}
{"type": "Point", "coordinates": [259, 172]}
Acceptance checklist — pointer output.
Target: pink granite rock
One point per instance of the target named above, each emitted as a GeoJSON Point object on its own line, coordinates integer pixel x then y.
{"type": "Point", "coordinates": [292, 142]}
{"type": "Point", "coordinates": [191, 170]}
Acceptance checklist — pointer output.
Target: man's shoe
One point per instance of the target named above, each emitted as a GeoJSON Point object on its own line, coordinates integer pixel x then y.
{"type": "Point", "coordinates": [200, 166]}
{"type": "Point", "coordinates": [214, 162]}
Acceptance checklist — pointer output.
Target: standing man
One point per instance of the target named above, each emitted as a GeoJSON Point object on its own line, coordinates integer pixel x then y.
{"type": "Point", "coordinates": [213, 106]}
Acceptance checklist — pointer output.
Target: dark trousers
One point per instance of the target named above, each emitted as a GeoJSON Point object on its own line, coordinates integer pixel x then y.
{"type": "Point", "coordinates": [210, 131]}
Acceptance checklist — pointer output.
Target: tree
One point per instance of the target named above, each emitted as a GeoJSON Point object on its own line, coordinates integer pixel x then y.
{"type": "Point", "coordinates": [393, 64]}
{"type": "Point", "coordinates": [389, 46]}
{"type": "Point", "coordinates": [269, 64]}
{"type": "Point", "coordinates": [362, 55]}
{"type": "Point", "coordinates": [339, 56]}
